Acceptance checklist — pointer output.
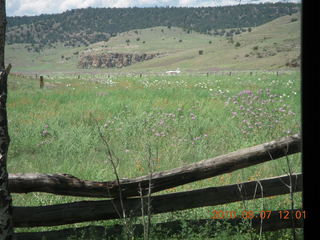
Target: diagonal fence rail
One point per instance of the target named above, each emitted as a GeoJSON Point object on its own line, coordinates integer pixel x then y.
{"type": "Point", "coordinates": [84, 211]}
{"type": "Point", "coordinates": [64, 184]}
{"type": "Point", "coordinates": [170, 229]}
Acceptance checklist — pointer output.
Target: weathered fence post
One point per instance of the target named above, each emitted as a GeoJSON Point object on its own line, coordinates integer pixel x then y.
{"type": "Point", "coordinates": [6, 223]}
{"type": "Point", "coordinates": [41, 82]}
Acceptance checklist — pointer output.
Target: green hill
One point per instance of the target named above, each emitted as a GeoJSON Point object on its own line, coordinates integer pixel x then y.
{"type": "Point", "coordinates": [270, 46]}
{"type": "Point", "coordinates": [82, 27]}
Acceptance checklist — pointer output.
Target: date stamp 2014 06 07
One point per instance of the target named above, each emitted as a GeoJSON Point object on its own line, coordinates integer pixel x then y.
{"type": "Point", "coordinates": [282, 214]}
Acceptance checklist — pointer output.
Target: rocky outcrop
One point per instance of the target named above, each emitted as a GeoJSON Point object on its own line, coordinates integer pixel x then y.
{"type": "Point", "coordinates": [296, 62]}
{"type": "Point", "coordinates": [113, 60]}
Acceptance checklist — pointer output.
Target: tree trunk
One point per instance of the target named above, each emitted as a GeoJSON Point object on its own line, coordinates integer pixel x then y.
{"type": "Point", "coordinates": [6, 229]}
{"type": "Point", "coordinates": [3, 24]}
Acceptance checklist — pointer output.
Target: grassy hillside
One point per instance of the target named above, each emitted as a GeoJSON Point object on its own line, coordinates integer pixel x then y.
{"type": "Point", "coordinates": [269, 46]}
{"type": "Point", "coordinates": [83, 26]}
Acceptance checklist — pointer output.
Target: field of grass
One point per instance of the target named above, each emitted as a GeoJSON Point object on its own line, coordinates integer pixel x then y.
{"type": "Point", "coordinates": [182, 119]}
{"type": "Point", "coordinates": [266, 47]}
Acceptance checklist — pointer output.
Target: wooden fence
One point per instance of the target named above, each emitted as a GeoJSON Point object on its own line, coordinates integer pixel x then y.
{"type": "Point", "coordinates": [134, 191]}
{"type": "Point", "coordinates": [93, 75]}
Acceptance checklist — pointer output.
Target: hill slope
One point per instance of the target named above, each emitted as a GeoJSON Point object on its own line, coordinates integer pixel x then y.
{"type": "Point", "coordinates": [82, 27]}
{"type": "Point", "coordinates": [270, 46]}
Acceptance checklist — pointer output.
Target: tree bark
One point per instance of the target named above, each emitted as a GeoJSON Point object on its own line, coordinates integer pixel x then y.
{"type": "Point", "coordinates": [84, 211]}
{"type": "Point", "coordinates": [6, 225]}
{"type": "Point", "coordinates": [65, 184]}
{"type": "Point", "coordinates": [3, 25]}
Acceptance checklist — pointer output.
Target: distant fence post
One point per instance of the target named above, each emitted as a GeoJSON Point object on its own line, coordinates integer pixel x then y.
{"type": "Point", "coordinates": [41, 82]}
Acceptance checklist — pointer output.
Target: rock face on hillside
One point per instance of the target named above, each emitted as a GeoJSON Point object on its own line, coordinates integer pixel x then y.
{"type": "Point", "coordinates": [296, 62]}
{"type": "Point", "coordinates": [113, 60]}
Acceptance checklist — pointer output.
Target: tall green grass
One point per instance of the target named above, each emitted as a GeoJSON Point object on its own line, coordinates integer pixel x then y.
{"type": "Point", "coordinates": [180, 119]}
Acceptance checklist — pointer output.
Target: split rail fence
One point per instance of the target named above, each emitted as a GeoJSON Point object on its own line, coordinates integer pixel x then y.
{"type": "Point", "coordinates": [134, 193]}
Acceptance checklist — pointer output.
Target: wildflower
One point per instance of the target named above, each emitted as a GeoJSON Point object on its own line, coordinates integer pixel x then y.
{"type": "Point", "coordinates": [45, 133]}
{"type": "Point", "coordinates": [291, 113]}
{"type": "Point", "coordinates": [245, 92]}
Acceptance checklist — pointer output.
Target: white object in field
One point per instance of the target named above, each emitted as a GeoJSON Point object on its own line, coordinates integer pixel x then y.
{"type": "Point", "coordinates": [174, 72]}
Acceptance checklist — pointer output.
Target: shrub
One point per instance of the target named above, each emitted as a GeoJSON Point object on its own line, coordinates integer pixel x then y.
{"type": "Point", "coordinates": [200, 52]}
{"type": "Point", "coordinates": [237, 44]}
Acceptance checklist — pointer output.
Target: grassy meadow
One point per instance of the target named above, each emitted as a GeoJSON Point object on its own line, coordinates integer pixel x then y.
{"type": "Point", "coordinates": [179, 119]}
{"type": "Point", "coordinates": [146, 115]}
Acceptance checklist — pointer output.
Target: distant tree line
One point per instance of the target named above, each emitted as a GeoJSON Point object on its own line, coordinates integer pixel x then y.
{"type": "Point", "coordinates": [85, 26]}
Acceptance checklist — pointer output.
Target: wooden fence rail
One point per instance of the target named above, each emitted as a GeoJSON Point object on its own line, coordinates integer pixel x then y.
{"type": "Point", "coordinates": [83, 211]}
{"type": "Point", "coordinates": [65, 184]}
{"type": "Point", "coordinates": [272, 223]}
